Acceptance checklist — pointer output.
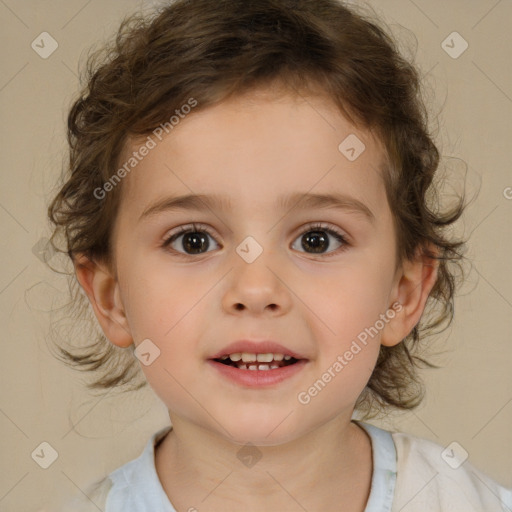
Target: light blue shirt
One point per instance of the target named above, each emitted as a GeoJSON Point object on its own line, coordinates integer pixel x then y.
{"type": "Point", "coordinates": [410, 474]}
{"type": "Point", "coordinates": [136, 487]}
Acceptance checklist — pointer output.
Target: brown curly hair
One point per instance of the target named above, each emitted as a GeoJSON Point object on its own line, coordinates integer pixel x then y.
{"type": "Point", "coordinates": [215, 50]}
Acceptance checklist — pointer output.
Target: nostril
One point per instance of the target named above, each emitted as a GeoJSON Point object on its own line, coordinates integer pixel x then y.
{"type": "Point", "coordinates": [240, 306]}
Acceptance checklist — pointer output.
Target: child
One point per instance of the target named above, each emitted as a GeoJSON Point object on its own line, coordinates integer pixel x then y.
{"type": "Point", "coordinates": [247, 209]}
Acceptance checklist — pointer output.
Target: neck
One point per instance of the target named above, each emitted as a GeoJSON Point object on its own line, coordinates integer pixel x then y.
{"type": "Point", "coordinates": [329, 466]}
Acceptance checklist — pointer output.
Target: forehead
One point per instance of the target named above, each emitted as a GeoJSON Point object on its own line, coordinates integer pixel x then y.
{"type": "Point", "coordinates": [253, 150]}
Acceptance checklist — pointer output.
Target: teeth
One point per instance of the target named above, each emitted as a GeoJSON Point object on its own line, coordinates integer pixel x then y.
{"type": "Point", "coordinates": [264, 358]}
{"type": "Point", "coordinates": [247, 357]}
{"type": "Point", "coordinates": [263, 367]}
{"type": "Point", "coordinates": [259, 367]}
{"type": "Point", "coordinates": [271, 361]}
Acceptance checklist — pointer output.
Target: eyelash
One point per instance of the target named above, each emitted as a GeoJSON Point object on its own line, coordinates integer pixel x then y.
{"type": "Point", "coordinates": [312, 227]}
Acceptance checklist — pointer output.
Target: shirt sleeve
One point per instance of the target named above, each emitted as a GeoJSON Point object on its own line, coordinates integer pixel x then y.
{"type": "Point", "coordinates": [425, 481]}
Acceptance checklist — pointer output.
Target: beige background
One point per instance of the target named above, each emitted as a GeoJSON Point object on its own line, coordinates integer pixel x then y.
{"type": "Point", "coordinates": [469, 400]}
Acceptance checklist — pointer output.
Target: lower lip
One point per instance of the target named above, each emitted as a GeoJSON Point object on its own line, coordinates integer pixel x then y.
{"type": "Point", "coordinates": [258, 378]}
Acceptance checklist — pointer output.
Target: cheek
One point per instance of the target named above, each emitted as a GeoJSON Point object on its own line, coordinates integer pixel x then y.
{"type": "Point", "coordinates": [351, 306]}
{"type": "Point", "coordinates": [165, 305]}
{"type": "Point", "coordinates": [348, 348]}
{"type": "Point", "coordinates": [353, 300]}
{"type": "Point", "coordinates": [158, 297]}
{"type": "Point", "coordinates": [339, 381]}
{"type": "Point", "coordinates": [174, 334]}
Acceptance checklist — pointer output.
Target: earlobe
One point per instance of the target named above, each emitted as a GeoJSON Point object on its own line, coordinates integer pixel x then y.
{"type": "Point", "coordinates": [103, 293]}
{"type": "Point", "coordinates": [415, 281]}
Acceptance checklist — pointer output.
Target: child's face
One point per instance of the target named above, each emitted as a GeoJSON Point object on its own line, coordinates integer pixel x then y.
{"type": "Point", "coordinates": [253, 154]}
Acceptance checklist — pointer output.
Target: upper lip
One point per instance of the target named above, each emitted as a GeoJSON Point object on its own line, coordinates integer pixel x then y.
{"type": "Point", "coordinates": [256, 347]}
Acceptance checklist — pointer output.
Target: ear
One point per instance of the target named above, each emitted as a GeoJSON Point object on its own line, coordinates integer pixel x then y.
{"type": "Point", "coordinates": [414, 282]}
{"type": "Point", "coordinates": [103, 292]}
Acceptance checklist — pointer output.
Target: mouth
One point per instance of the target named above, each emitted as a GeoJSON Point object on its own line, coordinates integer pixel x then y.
{"type": "Point", "coordinates": [257, 364]}
{"type": "Point", "coordinates": [257, 371]}
{"type": "Point", "coordinates": [262, 362]}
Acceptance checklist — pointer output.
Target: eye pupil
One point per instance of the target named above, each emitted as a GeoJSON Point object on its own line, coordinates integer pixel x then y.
{"type": "Point", "coordinates": [316, 240]}
{"type": "Point", "coordinates": [194, 242]}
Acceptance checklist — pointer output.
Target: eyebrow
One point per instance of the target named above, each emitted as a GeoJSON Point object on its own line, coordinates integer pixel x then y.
{"type": "Point", "coordinates": [301, 201]}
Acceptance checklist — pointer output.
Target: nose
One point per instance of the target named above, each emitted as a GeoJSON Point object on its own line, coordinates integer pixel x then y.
{"type": "Point", "coordinates": [257, 288]}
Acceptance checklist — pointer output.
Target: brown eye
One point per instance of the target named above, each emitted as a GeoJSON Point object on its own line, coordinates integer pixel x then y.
{"type": "Point", "coordinates": [190, 241]}
{"type": "Point", "coordinates": [317, 240]}
{"type": "Point", "coordinates": [195, 242]}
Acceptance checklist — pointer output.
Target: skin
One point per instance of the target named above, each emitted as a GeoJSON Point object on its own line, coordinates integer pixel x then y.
{"type": "Point", "coordinates": [253, 149]}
